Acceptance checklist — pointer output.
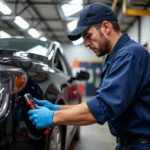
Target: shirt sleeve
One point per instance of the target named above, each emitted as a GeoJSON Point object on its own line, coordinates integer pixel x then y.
{"type": "Point", "coordinates": [117, 90]}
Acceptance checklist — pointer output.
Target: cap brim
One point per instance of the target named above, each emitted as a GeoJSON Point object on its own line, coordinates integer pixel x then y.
{"type": "Point", "coordinates": [76, 33]}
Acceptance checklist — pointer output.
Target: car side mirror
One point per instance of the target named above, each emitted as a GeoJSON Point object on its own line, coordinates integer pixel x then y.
{"type": "Point", "coordinates": [81, 76]}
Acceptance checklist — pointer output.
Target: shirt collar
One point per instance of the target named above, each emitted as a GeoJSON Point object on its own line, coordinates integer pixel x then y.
{"type": "Point", "coordinates": [120, 43]}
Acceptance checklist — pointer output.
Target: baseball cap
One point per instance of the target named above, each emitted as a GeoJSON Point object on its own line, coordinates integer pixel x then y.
{"type": "Point", "coordinates": [92, 14]}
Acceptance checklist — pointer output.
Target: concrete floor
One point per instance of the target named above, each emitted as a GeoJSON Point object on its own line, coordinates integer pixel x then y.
{"type": "Point", "coordinates": [94, 137]}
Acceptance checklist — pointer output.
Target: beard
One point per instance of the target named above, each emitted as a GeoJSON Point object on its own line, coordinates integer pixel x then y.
{"type": "Point", "coordinates": [104, 43]}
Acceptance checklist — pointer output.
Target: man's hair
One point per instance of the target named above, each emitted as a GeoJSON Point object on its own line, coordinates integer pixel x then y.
{"type": "Point", "coordinates": [115, 25]}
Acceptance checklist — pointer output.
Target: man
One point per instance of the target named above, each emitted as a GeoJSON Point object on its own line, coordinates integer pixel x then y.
{"type": "Point", "coordinates": [123, 99]}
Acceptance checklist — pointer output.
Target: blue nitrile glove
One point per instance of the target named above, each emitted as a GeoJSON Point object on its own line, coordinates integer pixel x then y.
{"type": "Point", "coordinates": [47, 104]}
{"type": "Point", "coordinates": [41, 117]}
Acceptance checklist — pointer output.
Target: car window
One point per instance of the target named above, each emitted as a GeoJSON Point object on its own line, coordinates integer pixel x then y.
{"type": "Point", "coordinates": [59, 63]}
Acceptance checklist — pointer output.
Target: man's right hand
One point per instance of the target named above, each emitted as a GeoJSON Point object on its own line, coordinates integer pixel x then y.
{"type": "Point", "coordinates": [47, 104]}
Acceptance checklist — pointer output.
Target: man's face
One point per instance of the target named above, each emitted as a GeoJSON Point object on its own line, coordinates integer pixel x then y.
{"type": "Point", "coordinates": [96, 41]}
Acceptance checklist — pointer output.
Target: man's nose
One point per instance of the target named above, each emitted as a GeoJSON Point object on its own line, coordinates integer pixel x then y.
{"type": "Point", "coordinates": [86, 43]}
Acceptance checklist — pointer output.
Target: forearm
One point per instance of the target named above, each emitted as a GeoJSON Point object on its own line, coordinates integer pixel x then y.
{"type": "Point", "coordinates": [77, 115]}
{"type": "Point", "coordinates": [62, 107]}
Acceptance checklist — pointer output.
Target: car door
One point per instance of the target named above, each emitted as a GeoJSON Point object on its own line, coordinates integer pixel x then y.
{"type": "Point", "coordinates": [69, 89]}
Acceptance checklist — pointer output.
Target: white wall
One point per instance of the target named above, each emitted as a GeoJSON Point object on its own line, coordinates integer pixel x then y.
{"type": "Point", "coordinates": [133, 31]}
{"type": "Point", "coordinates": [145, 30]}
{"type": "Point", "coordinates": [77, 52]}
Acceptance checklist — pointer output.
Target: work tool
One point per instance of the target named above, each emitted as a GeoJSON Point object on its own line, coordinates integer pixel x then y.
{"type": "Point", "coordinates": [30, 102]}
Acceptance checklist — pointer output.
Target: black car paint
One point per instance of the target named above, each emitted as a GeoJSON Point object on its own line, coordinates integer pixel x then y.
{"type": "Point", "coordinates": [54, 86]}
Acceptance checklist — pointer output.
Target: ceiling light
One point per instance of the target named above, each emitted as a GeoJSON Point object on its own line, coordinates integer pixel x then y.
{"type": "Point", "coordinates": [34, 33]}
{"type": "Point", "coordinates": [4, 8]}
{"type": "Point", "coordinates": [77, 42]}
{"type": "Point", "coordinates": [43, 39]}
{"type": "Point", "coordinates": [76, 2]}
{"type": "Point", "coordinates": [72, 25]}
{"type": "Point", "coordinates": [69, 9]}
{"type": "Point", "coordinates": [4, 34]}
{"type": "Point", "coordinates": [21, 22]}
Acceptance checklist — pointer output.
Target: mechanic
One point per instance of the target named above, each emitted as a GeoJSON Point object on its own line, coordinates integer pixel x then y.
{"type": "Point", "coordinates": [123, 98]}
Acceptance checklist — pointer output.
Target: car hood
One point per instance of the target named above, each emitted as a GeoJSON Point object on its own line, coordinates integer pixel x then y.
{"type": "Point", "coordinates": [20, 58]}
{"type": "Point", "coordinates": [6, 54]}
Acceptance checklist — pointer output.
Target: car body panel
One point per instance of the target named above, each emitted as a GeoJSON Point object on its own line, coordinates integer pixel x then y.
{"type": "Point", "coordinates": [45, 81]}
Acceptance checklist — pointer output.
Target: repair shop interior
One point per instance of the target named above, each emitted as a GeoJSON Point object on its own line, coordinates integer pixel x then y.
{"type": "Point", "coordinates": [44, 63]}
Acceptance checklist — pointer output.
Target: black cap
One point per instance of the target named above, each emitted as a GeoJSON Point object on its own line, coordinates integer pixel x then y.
{"type": "Point", "coordinates": [90, 15]}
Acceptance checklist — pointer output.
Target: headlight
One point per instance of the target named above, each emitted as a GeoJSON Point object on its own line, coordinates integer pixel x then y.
{"type": "Point", "coordinates": [12, 79]}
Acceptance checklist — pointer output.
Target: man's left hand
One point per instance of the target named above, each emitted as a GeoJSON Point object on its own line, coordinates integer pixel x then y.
{"type": "Point", "coordinates": [41, 117]}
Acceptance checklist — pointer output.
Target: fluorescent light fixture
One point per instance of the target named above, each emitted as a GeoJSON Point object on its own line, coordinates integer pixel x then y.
{"type": "Point", "coordinates": [34, 33]}
{"type": "Point", "coordinates": [4, 8]}
{"type": "Point", "coordinates": [21, 22]}
{"type": "Point", "coordinates": [72, 25]}
{"type": "Point", "coordinates": [80, 2]}
{"type": "Point", "coordinates": [4, 34]}
{"type": "Point", "coordinates": [69, 9]}
{"type": "Point", "coordinates": [43, 39]}
{"type": "Point", "coordinates": [77, 42]}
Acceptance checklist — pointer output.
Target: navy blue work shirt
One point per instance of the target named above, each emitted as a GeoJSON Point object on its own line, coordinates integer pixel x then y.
{"type": "Point", "coordinates": [123, 98]}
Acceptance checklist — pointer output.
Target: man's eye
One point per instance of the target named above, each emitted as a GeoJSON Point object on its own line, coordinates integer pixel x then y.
{"type": "Point", "coordinates": [88, 36]}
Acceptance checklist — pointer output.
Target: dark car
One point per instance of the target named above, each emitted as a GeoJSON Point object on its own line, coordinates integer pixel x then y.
{"type": "Point", "coordinates": [41, 69]}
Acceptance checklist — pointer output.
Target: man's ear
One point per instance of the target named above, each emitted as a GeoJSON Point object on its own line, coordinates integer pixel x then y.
{"type": "Point", "coordinates": [106, 27]}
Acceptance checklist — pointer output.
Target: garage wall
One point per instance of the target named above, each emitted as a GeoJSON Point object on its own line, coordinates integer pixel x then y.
{"type": "Point", "coordinates": [145, 30]}
{"type": "Point", "coordinates": [77, 52]}
{"type": "Point", "coordinates": [133, 31]}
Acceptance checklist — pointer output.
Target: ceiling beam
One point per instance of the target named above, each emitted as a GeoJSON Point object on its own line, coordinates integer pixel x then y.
{"type": "Point", "coordinates": [113, 6]}
{"type": "Point", "coordinates": [21, 11]}
{"type": "Point", "coordinates": [135, 18]}
{"type": "Point", "coordinates": [13, 28]}
{"type": "Point", "coordinates": [120, 12]}
{"type": "Point", "coordinates": [33, 3]}
{"type": "Point", "coordinates": [61, 15]}
{"type": "Point", "coordinates": [22, 30]}
{"type": "Point", "coordinates": [42, 20]}
{"type": "Point", "coordinates": [12, 17]}
{"type": "Point", "coordinates": [47, 3]}
{"type": "Point", "coordinates": [37, 2]}
{"type": "Point", "coordinates": [68, 19]}
{"type": "Point", "coordinates": [134, 12]}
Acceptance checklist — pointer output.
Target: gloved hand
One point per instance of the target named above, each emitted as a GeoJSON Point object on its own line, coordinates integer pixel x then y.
{"type": "Point", "coordinates": [47, 104]}
{"type": "Point", "coordinates": [41, 117]}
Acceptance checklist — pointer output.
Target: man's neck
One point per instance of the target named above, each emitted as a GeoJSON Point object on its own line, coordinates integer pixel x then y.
{"type": "Point", "coordinates": [114, 39]}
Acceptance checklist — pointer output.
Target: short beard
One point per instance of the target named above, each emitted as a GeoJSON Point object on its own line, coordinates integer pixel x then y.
{"type": "Point", "coordinates": [103, 51]}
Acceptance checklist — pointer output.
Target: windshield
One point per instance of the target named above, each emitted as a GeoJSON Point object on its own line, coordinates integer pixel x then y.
{"type": "Point", "coordinates": [28, 45]}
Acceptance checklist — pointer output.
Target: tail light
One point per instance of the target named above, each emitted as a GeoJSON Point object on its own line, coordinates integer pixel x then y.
{"type": "Point", "coordinates": [12, 80]}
